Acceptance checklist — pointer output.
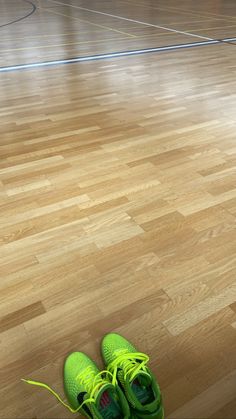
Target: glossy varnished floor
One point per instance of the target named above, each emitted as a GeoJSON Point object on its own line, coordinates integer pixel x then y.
{"type": "Point", "coordinates": [118, 200]}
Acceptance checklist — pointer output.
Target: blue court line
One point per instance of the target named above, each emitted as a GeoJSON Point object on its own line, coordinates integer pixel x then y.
{"type": "Point", "coordinates": [113, 55]}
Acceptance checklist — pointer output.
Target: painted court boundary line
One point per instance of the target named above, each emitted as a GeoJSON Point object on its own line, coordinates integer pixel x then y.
{"type": "Point", "coordinates": [132, 20]}
{"type": "Point", "coordinates": [23, 17]}
{"type": "Point", "coordinates": [114, 55]}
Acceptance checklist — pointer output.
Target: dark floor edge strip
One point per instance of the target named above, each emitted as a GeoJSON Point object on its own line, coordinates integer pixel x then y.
{"type": "Point", "coordinates": [112, 55]}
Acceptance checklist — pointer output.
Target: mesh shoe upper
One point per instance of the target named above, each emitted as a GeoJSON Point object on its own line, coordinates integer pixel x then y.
{"type": "Point", "coordinates": [129, 367]}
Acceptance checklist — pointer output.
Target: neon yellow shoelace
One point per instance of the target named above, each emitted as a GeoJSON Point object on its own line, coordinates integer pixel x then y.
{"type": "Point", "coordinates": [91, 386]}
{"type": "Point", "coordinates": [128, 363]}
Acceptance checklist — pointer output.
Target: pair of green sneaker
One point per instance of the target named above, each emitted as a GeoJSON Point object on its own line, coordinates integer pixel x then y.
{"type": "Point", "coordinates": [126, 389]}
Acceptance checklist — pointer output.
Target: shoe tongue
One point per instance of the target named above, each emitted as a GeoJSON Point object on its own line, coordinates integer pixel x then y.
{"type": "Point", "coordinates": [108, 404]}
{"type": "Point", "coordinates": [102, 394]}
{"type": "Point", "coordinates": [141, 389]}
{"type": "Point", "coordinates": [143, 378]}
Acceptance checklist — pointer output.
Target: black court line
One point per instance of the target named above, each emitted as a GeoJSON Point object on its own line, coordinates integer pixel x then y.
{"type": "Point", "coordinates": [116, 55]}
{"type": "Point", "coordinates": [23, 17]}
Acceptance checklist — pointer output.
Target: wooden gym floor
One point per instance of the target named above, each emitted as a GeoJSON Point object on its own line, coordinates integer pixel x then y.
{"type": "Point", "coordinates": [118, 196]}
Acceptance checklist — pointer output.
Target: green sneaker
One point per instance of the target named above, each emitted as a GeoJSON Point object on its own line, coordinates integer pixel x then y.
{"type": "Point", "coordinates": [129, 368]}
{"type": "Point", "coordinates": [158, 414]}
{"type": "Point", "coordinates": [89, 390]}
{"type": "Point", "coordinates": [85, 387]}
